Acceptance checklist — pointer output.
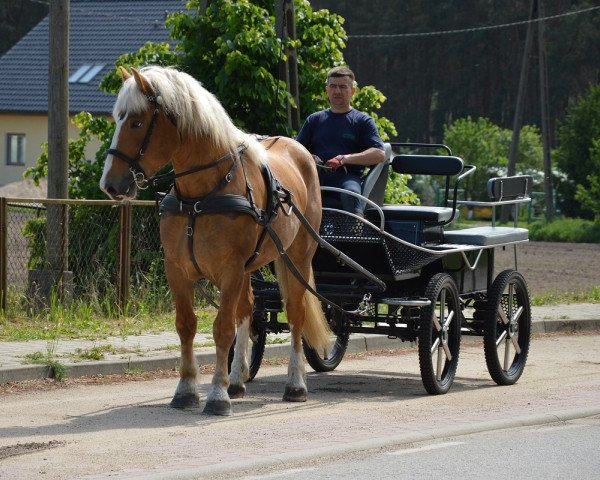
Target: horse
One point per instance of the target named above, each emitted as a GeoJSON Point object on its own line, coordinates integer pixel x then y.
{"type": "Point", "coordinates": [213, 221]}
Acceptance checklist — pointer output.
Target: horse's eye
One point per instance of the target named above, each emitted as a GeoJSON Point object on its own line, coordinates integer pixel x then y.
{"type": "Point", "coordinates": [136, 124]}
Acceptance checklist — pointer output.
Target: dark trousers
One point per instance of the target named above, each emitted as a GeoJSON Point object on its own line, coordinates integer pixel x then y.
{"type": "Point", "coordinates": [346, 181]}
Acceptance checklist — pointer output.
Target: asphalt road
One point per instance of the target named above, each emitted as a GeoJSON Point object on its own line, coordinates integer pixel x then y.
{"type": "Point", "coordinates": [372, 402]}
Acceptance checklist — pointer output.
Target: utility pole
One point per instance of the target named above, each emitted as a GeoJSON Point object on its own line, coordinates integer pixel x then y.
{"type": "Point", "coordinates": [58, 148]}
{"type": "Point", "coordinates": [518, 118]}
{"type": "Point", "coordinates": [544, 101]}
{"type": "Point", "coordinates": [285, 27]}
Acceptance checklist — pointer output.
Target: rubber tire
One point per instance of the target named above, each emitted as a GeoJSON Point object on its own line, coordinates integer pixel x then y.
{"type": "Point", "coordinates": [498, 297]}
{"type": "Point", "coordinates": [320, 362]}
{"type": "Point", "coordinates": [441, 287]}
{"type": "Point", "coordinates": [258, 337]}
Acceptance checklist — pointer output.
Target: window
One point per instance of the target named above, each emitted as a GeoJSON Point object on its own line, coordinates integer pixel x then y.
{"type": "Point", "coordinates": [15, 149]}
{"type": "Point", "coordinates": [86, 73]}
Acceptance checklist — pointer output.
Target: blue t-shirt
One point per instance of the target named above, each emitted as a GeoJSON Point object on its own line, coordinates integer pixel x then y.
{"type": "Point", "coordinates": [327, 134]}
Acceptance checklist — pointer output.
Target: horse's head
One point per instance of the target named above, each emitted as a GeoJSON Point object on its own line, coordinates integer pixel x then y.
{"type": "Point", "coordinates": [144, 138]}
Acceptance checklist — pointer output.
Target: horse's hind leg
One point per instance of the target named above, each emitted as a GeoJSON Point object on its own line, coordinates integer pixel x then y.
{"type": "Point", "coordinates": [240, 369]}
{"type": "Point", "coordinates": [186, 394]}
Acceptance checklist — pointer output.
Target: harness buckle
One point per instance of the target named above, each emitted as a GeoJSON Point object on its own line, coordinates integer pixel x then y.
{"type": "Point", "coordinates": [197, 208]}
{"type": "Point", "coordinates": [139, 179]}
{"type": "Point", "coordinates": [228, 177]}
{"type": "Point", "coordinates": [189, 231]}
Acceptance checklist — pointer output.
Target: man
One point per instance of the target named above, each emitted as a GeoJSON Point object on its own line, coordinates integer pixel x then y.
{"type": "Point", "coordinates": [345, 138]}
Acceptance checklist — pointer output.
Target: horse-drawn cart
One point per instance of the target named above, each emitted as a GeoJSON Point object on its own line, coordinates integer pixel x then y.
{"type": "Point", "coordinates": [238, 203]}
{"type": "Point", "coordinates": [419, 280]}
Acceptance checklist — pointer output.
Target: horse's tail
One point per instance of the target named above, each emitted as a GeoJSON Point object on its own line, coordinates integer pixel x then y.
{"type": "Point", "coordinates": [316, 331]}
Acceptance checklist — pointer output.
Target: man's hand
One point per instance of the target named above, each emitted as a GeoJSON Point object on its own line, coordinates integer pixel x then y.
{"type": "Point", "coordinates": [336, 162]}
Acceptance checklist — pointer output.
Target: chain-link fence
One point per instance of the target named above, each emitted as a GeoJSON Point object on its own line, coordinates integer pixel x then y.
{"type": "Point", "coordinates": [104, 253]}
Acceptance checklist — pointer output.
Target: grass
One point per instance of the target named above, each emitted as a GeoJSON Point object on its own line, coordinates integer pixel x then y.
{"type": "Point", "coordinates": [78, 321]}
{"type": "Point", "coordinates": [552, 298]}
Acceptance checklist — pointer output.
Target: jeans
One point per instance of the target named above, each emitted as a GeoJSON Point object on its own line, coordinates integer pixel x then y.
{"type": "Point", "coordinates": [346, 181]}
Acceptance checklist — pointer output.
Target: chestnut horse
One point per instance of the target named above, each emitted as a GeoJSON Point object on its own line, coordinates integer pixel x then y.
{"type": "Point", "coordinates": [163, 115]}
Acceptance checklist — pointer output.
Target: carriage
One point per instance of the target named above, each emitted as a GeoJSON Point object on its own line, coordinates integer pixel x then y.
{"type": "Point", "coordinates": [416, 279]}
{"type": "Point", "coordinates": [239, 204]}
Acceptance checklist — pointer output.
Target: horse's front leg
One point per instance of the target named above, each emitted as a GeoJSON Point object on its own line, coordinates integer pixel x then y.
{"type": "Point", "coordinates": [186, 394]}
{"type": "Point", "coordinates": [218, 401]}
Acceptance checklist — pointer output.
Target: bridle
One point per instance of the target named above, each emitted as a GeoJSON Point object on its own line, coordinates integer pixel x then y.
{"type": "Point", "coordinates": [140, 178]}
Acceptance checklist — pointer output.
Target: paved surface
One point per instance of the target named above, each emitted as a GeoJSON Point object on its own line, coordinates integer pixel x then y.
{"type": "Point", "coordinates": [161, 351]}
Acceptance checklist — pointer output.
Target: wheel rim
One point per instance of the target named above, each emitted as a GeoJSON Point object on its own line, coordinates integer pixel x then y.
{"type": "Point", "coordinates": [439, 337]}
{"type": "Point", "coordinates": [509, 313]}
{"type": "Point", "coordinates": [443, 315]}
{"type": "Point", "coordinates": [508, 330]}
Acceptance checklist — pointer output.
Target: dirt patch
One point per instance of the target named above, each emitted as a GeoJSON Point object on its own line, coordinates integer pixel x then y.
{"type": "Point", "coordinates": [23, 448]}
{"type": "Point", "coordinates": [554, 267]}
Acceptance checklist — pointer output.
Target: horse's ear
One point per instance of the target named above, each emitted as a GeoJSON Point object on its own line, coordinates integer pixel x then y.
{"type": "Point", "coordinates": [124, 73]}
{"type": "Point", "coordinates": [142, 83]}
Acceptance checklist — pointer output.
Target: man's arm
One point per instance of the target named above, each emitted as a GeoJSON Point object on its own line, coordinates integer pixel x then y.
{"type": "Point", "coordinates": [370, 156]}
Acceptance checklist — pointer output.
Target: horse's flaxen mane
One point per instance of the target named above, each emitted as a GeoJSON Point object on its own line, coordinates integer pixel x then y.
{"type": "Point", "coordinates": [198, 112]}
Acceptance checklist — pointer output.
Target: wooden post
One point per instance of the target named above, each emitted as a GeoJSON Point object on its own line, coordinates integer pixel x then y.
{"type": "Point", "coordinates": [517, 120]}
{"type": "Point", "coordinates": [3, 253]}
{"type": "Point", "coordinates": [549, 200]}
{"type": "Point", "coordinates": [125, 211]}
{"type": "Point", "coordinates": [285, 26]}
{"type": "Point", "coordinates": [58, 149]}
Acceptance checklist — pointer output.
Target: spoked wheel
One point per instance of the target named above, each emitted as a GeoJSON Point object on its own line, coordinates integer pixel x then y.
{"type": "Point", "coordinates": [507, 328]}
{"type": "Point", "coordinates": [439, 334]}
{"type": "Point", "coordinates": [328, 361]}
{"type": "Point", "coordinates": [258, 340]}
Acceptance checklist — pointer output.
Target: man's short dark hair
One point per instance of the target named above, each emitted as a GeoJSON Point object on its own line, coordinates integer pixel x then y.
{"type": "Point", "coordinates": [338, 72]}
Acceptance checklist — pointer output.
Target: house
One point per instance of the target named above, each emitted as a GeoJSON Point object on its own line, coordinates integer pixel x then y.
{"type": "Point", "coordinates": [100, 31]}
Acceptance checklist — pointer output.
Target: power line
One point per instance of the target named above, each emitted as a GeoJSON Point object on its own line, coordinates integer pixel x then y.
{"type": "Point", "coordinates": [473, 29]}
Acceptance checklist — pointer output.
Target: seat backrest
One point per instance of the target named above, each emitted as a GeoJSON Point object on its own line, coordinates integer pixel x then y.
{"type": "Point", "coordinates": [374, 183]}
{"type": "Point", "coordinates": [447, 165]}
{"type": "Point", "coordinates": [509, 188]}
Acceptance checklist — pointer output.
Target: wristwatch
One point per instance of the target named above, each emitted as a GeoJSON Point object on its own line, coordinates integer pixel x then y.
{"type": "Point", "coordinates": [340, 158]}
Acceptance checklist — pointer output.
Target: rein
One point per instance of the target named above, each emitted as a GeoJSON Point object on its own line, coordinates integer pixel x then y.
{"type": "Point", "coordinates": [212, 203]}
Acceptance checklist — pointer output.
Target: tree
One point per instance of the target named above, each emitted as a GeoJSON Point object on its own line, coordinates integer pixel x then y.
{"type": "Point", "coordinates": [485, 145]}
{"type": "Point", "coordinates": [589, 196]}
{"type": "Point", "coordinates": [576, 152]}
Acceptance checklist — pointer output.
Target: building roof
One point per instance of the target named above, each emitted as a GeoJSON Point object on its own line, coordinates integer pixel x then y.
{"type": "Point", "coordinates": [100, 32]}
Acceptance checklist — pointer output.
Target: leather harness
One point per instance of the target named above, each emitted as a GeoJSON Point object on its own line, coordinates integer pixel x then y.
{"type": "Point", "coordinates": [215, 203]}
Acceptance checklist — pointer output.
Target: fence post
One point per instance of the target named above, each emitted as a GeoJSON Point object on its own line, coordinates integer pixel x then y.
{"type": "Point", "coordinates": [124, 253]}
{"type": "Point", "coordinates": [3, 253]}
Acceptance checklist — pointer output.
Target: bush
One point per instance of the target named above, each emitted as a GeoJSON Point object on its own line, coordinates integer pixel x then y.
{"type": "Point", "coordinates": [575, 154]}
{"type": "Point", "coordinates": [568, 230]}
{"type": "Point", "coordinates": [485, 145]}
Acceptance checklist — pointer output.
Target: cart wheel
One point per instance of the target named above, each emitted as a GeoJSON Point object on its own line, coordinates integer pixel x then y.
{"type": "Point", "coordinates": [439, 334]}
{"type": "Point", "coordinates": [258, 339]}
{"type": "Point", "coordinates": [328, 361]}
{"type": "Point", "coordinates": [507, 327]}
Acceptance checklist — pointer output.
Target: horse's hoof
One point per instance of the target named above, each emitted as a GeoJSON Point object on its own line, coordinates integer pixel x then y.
{"type": "Point", "coordinates": [217, 407]}
{"type": "Point", "coordinates": [188, 400]}
{"type": "Point", "coordinates": [295, 394]}
{"type": "Point", "coordinates": [236, 391]}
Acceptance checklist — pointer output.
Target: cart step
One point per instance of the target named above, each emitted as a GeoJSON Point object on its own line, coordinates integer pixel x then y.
{"type": "Point", "coordinates": [406, 302]}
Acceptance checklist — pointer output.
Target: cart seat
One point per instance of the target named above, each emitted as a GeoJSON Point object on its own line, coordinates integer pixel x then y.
{"type": "Point", "coordinates": [487, 236]}
{"type": "Point", "coordinates": [417, 212]}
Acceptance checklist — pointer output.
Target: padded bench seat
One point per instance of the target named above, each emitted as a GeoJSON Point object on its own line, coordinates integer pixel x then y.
{"type": "Point", "coordinates": [487, 236]}
{"type": "Point", "coordinates": [417, 212]}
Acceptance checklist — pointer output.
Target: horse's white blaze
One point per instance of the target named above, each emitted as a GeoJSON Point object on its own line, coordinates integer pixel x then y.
{"type": "Point", "coordinates": [239, 366]}
{"type": "Point", "coordinates": [109, 158]}
{"type": "Point", "coordinates": [296, 370]}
